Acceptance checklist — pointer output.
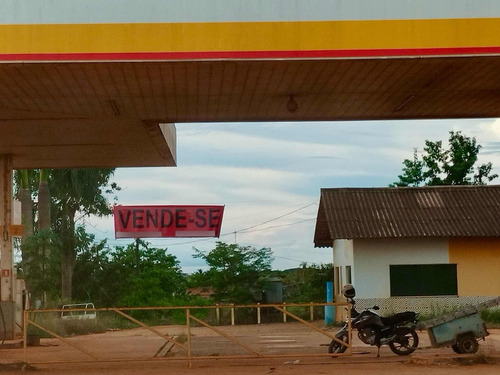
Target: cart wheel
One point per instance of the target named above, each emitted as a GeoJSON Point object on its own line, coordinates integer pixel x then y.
{"type": "Point", "coordinates": [467, 344]}
{"type": "Point", "coordinates": [456, 349]}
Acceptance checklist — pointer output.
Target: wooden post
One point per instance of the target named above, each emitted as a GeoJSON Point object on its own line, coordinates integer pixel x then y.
{"type": "Point", "coordinates": [25, 335]}
{"type": "Point", "coordinates": [188, 326]}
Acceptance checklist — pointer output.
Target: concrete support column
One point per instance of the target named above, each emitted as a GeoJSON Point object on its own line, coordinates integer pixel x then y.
{"type": "Point", "coordinates": [7, 307]}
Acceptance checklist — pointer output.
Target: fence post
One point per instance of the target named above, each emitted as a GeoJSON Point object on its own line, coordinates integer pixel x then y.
{"type": "Point", "coordinates": [311, 312]}
{"type": "Point", "coordinates": [284, 314]}
{"type": "Point", "coordinates": [258, 313]}
{"type": "Point", "coordinates": [217, 314]}
{"type": "Point", "coordinates": [232, 314]}
{"type": "Point", "coordinates": [25, 334]}
{"type": "Point", "coordinates": [188, 324]}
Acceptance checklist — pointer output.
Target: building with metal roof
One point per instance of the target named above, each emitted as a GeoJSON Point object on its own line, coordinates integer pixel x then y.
{"type": "Point", "coordinates": [432, 211]}
{"type": "Point", "coordinates": [439, 241]}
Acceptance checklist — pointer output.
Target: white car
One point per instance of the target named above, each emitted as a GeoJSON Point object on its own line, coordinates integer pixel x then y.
{"type": "Point", "coordinates": [85, 311]}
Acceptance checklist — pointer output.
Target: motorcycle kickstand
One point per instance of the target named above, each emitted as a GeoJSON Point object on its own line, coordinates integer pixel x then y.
{"type": "Point", "coordinates": [378, 351]}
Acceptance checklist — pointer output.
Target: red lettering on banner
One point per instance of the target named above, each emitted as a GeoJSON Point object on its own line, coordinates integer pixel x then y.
{"type": "Point", "coordinates": [167, 221]}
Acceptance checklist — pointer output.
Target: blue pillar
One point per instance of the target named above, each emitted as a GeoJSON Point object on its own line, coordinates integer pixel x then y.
{"type": "Point", "coordinates": [329, 310]}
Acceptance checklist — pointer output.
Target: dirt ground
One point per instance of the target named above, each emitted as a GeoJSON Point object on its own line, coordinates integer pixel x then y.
{"type": "Point", "coordinates": [297, 346]}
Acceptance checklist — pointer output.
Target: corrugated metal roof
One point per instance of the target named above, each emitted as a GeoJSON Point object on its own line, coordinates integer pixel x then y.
{"type": "Point", "coordinates": [437, 211]}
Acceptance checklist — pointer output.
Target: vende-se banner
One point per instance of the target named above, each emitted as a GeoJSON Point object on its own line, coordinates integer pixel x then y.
{"type": "Point", "coordinates": [167, 221]}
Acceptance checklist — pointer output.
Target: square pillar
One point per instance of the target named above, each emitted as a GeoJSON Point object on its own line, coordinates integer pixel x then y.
{"type": "Point", "coordinates": [6, 257]}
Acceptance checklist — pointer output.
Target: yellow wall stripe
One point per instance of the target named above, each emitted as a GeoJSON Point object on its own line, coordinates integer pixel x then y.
{"type": "Point", "coordinates": [249, 36]}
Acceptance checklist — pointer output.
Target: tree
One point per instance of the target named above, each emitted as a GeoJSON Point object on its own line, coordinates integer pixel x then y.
{"type": "Point", "coordinates": [41, 261]}
{"type": "Point", "coordinates": [76, 191]}
{"type": "Point", "coordinates": [454, 166]}
{"type": "Point", "coordinates": [44, 200]}
{"type": "Point", "coordinates": [25, 186]}
{"type": "Point", "coordinates": [236, 272]}
{"type": "Point", "coordinates": [92, 260]}
{"type": "Point", "coordinates": [307, 283]}
{"type": "Point", "coordinates": [73, 191]}
{"type": "Point", "coordinates": [116, 277]}
{"type": "Point", "coordinates": [156, 279]}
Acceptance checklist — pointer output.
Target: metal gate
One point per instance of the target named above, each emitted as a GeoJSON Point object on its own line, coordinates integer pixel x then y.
{"type": "Point", "coordinates": [199, 332]}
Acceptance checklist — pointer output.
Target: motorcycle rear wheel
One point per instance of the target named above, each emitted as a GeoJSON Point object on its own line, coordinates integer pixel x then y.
{"type": "Point", "coordinates": [337, 347]}
{"type": "Point", "coordinates": [405, 342]}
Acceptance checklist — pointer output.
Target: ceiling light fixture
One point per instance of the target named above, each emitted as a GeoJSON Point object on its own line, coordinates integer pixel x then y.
{"type": "Point", "coordinates": [292, 105]}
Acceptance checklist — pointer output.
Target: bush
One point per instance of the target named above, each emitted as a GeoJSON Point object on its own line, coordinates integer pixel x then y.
{"type": "Point", "coordinates": [491, 316]}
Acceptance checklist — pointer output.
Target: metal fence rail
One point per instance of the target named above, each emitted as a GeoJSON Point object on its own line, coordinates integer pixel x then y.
{"type": "Point", "coordinates": [199, 333]}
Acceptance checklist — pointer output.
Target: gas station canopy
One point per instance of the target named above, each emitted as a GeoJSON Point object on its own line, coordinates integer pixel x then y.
{"type": "Point", "coordinates": [87, 83]}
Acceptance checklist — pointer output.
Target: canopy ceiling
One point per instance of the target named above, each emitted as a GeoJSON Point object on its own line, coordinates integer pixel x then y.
{"type": "Point", "coordinates": [108, 113]}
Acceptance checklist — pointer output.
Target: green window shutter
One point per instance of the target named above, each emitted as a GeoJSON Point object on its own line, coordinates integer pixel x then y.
{"type": "Point", "coordinates": [423, 280]}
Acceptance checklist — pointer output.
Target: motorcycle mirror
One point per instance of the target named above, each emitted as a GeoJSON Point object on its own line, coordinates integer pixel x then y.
{"type": "Point", "coordinates": [376, 307]}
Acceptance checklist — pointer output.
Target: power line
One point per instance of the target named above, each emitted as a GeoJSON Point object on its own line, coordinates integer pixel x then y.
{"type": "Point", "coordinates": [278, 226]}
{"type": "Point", "coordinates": [276, 218]}
{"type": "Point", "coordinates": [261, 213]}
{"type": "Point", "coordinates": [295, 260]}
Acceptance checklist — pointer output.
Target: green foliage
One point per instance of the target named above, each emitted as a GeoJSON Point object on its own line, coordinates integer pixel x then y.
{"type": "Point", "coordinates": [151, 279]}
{"type": "Point", "coordinates": [307, 283]}
{"type": "Point", "coordinates": [82, 190]}
{"type": "Point", "coordinates": [236, 272]}
{"type": "Point", "coordinates": [454, 166]}
{"type": "Point", "coordinates": [42, 265]}
{"type": "Point", "coordinates": [491, 316]}
{"type": "Point", "coordinates": [92, 259]}
{"type": "Point", "coordinates": [198, 279]}
{"type": "Point", "coordinates": [25, 179]}
{"type": "Point", "coordinates": [136, 275]}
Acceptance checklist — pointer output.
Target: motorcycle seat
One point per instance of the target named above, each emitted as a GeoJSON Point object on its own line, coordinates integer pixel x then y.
{"type": "Point", "coordinates": [402, 317]}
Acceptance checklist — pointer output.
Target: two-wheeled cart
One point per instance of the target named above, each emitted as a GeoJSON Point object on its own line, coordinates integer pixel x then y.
{"type": "Point", "coordinates": [461, 329]}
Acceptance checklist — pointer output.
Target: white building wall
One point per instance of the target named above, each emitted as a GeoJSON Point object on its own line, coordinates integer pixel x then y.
{"type": "Point", "coordinates": [342, 253]}
{"type": "Point", "coordinates": [342, 259]}
{"type": "Point", "coordinates": [372, 257]}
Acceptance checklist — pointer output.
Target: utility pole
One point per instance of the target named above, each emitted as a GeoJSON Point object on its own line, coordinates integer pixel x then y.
{"type": "Point", "coordinates": [137, 256]}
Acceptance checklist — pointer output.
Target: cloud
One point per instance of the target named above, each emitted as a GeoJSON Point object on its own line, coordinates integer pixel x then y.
{"type": "Point", "coordinates": [264, 172]}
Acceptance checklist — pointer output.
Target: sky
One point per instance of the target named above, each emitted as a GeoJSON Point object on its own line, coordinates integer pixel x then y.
{"type": "Point", "coordinates": [269, 175]}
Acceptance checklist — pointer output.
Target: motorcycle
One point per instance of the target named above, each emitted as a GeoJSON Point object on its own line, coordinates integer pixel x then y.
{"type": "Point", "coordinates": [397, 331]}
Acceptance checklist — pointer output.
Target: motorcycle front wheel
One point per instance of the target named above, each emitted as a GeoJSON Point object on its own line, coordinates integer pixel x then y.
{"type": "Point", "coordinates": [337, 347]}
{"type": "Point", "coordinates": [405, 342]}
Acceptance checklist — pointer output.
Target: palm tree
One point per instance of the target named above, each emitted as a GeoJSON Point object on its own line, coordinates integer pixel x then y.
{"type": "Point", "coordinates": [43, 200]}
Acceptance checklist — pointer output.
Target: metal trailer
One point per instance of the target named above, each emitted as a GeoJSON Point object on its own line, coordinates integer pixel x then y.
{"type": "Point", "coordinates": [461, 329]}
